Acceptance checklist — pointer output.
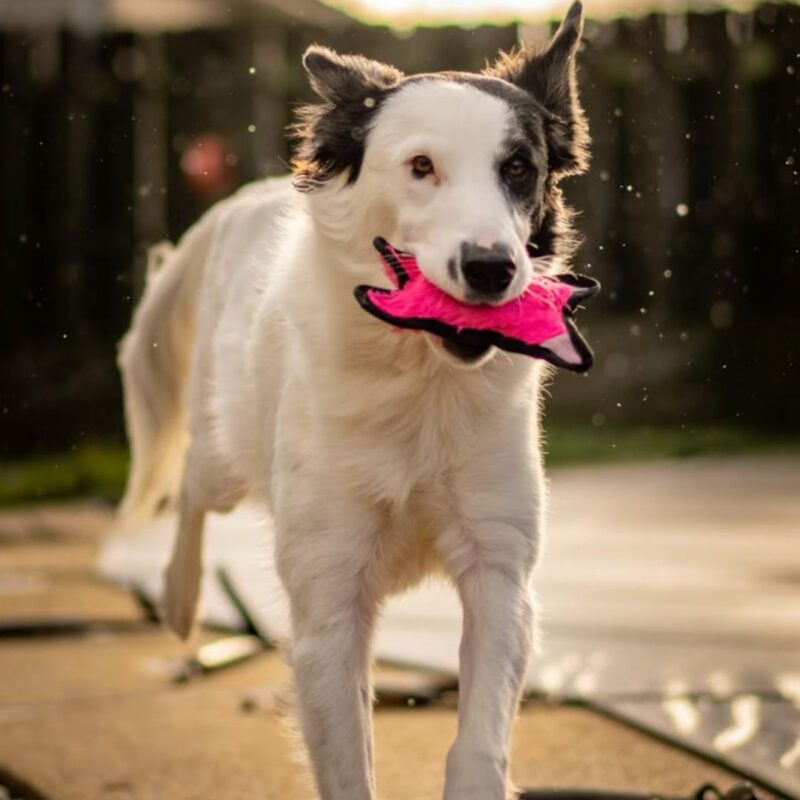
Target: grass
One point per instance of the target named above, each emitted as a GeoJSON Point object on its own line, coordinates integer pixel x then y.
{"type": "Point", "coordinates": [99, 470]}
{"type": "Point", "coordinates": [96, 470]}
{"type": "Point", "coordinates": [584, 444]}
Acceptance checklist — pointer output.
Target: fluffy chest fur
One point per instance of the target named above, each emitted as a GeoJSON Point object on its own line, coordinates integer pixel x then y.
{"type": "Point", "coordinates": [378, 406]}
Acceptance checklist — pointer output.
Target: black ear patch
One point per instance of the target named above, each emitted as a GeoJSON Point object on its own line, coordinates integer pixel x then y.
{"type": "Point", "coordinates": [338, 79]}
{"type": "Point", "coordinates": [549, 75]}
{"type": "Point", "coordinates": [331, 134]}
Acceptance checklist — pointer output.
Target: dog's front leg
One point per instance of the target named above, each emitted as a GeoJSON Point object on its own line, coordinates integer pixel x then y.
{"type": "Point", "coordinates": [490, 552]}
{"type": "Point", "coordinates": [325, 544]}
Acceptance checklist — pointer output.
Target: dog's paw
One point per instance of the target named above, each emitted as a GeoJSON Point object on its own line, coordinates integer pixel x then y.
{"type": "Point", "coordinates": [475, 775]}
{"type": "Point", "coordinates": [179, 603]}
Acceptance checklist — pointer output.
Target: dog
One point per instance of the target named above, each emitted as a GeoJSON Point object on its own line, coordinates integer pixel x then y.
{"type": "Point", "coordinates": [382, 457]}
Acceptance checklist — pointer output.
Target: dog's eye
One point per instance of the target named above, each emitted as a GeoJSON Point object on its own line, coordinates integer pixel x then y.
{"type": "Point", "coordinates": [516, 167]}
{"type": "Point", "coordinates": [421, 166]}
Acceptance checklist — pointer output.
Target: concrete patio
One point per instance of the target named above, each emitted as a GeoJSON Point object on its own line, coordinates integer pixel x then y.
{"type": "Point", "coordinates": [667, 624]}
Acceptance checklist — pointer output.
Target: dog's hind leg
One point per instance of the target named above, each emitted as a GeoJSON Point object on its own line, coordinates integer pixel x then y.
{"type": "Point", "coordinates": [183, 575]}
{"type": "Point", "coordinates": [208, 485]}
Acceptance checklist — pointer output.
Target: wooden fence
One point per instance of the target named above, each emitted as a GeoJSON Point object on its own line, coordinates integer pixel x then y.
{"type": "Point", "coordinates": [690, 213]}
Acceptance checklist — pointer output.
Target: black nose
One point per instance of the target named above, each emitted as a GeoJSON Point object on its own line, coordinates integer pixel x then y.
{"type": "Point", "coordinates": [488, 271]}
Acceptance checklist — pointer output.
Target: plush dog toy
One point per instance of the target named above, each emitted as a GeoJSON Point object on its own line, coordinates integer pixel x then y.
{"type": "Point", "coordinates": [539, 323]}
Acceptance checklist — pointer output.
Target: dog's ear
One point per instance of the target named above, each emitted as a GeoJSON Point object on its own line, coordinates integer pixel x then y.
{"type": "Point", "coordinates": [340, 79]}
{"type": "Point", "coordinates": [549, 75]}
{"type": "Point", "coordinates": [331, 134]}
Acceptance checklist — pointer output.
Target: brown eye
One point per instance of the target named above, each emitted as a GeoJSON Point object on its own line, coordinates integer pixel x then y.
{"type": "Point", "coordinates": [421, 166]}
{"type": "Point", "coordinates": [516, 168]}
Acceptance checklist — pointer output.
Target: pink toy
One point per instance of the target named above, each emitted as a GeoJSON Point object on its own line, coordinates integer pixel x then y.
{"type": "Point", "coordinates": [539, 323]}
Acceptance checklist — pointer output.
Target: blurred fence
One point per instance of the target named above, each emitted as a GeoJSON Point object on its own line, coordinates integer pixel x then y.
{"type": "Point", "coordinates": [114, 140]}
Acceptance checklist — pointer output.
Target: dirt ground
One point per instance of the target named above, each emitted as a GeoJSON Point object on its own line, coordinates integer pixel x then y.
{"type": "Point", "coordinates": [97, 715]}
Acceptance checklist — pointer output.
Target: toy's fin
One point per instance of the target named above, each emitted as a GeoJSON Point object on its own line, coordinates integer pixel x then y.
{"type": "Point", "coordinates": [583, 288]}
{"type": "Point", "coordinates": [563, 347]}
{"type": "Point", "coordinates": [397, 261]}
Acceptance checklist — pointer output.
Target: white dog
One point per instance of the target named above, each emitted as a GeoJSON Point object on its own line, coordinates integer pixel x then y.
{"type": "Point", "coordinates": [382, 456]}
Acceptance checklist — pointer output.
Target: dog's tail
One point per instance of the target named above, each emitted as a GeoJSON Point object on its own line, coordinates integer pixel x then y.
{"type": "Point", "coordinates": [154, 358]}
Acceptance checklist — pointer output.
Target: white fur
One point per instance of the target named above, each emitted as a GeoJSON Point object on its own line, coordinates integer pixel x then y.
{"type": "Point", "coordinates": [457, 126]}
{"type": "Point", "coordinates": [380, 459]}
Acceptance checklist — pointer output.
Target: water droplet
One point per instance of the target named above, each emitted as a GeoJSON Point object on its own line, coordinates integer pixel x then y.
{"type": "Point", "coordinates": [721, 315]}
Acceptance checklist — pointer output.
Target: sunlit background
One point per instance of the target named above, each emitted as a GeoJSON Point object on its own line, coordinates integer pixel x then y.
{"type": "Point", "coordinates": [122, 120]}
{"type": "Point", "coordinates": [410, 13]}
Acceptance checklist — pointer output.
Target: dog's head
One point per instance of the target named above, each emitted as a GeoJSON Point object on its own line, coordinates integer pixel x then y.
{"type": "Point", "coordinates": [461, 169]}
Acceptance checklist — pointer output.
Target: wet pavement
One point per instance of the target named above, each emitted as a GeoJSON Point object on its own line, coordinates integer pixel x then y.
{"type": "Point", "coordinates": [669, 596]}
{"type": "Point", "coordinates": [93, 711]}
